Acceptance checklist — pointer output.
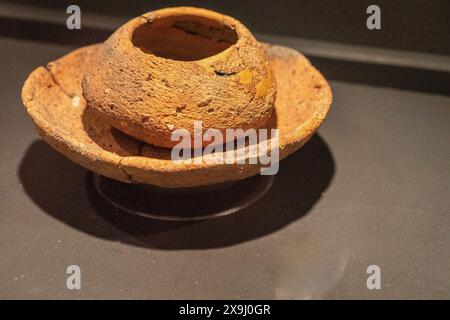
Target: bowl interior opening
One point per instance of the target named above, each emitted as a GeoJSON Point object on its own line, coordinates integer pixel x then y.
{"type": "Point", "coordinates": [184, 38]}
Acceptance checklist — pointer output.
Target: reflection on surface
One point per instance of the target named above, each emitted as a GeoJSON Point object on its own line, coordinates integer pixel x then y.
{"type": "Point", "coordinates": [182, 204]}
{"type": "Point", "coordinates": [308, 270]}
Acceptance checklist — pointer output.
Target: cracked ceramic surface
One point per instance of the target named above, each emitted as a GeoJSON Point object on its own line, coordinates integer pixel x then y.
{"type": "Point", "coordinates": [167, 68]}
{"type": "Point", "coordinates": [302, 102]}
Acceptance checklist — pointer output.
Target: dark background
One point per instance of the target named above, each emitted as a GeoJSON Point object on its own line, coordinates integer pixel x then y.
{"type": "Point", "coordinates": [414, 25]}
{"type": "Point", "coordinates": [370, 187]}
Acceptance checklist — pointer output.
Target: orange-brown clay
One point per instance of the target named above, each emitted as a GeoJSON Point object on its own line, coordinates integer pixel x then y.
{"type": "Point", "coordinates": [53, 98]}
{"type": "Point", "coordinates": [167, 68]}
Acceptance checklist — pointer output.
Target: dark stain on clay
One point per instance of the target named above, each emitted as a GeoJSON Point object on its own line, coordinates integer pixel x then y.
{"type": "Point", "coordinates": [204, 103]}
{"type": "Point", "coordinates": [180, 108]}
{"type": "Point", "coordinates": [55, 81]}
{"type": "Point", "coordinates": [149, 18]}
{"type": "Point", "coordinates": [224, 74]}
{"type": "Point", "coordinates": [211, 33]}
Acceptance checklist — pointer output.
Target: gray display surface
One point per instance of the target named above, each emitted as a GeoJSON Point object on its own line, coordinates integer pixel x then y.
{"type": "Point", "coordinates": [371, 188]}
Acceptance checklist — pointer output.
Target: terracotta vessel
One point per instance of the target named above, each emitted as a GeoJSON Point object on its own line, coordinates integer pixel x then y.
{"type": "Point", "coordinates": [160, 71]}
{"type": "Point", "coordinates": [246, 84]}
